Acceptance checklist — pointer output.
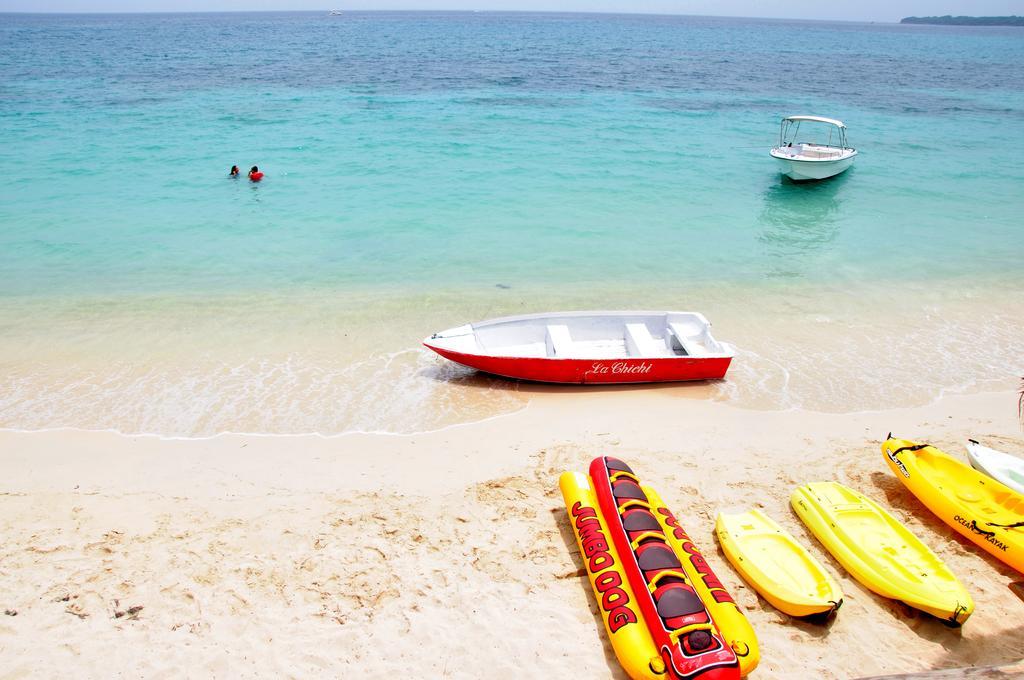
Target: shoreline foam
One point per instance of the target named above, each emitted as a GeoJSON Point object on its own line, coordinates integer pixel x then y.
{"type": "Point", "coordinates": [327, 364]}
{"type": "Point", "coordinates": [536, 400]}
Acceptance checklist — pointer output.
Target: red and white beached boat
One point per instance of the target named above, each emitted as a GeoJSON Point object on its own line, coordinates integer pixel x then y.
{"type": "Point", "coordinates": [589, 347]}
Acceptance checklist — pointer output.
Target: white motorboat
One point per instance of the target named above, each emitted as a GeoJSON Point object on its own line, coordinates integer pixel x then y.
{"type": "Point", "coordinates": [334, 13]}
{"type": "Point", "coordinates": [812, 147]}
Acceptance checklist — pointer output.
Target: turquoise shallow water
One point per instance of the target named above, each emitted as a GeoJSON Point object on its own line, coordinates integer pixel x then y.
{"type": "Point", "coordinates": [419, 149]}
{"type": "Point", "coordinates": [408, 153]}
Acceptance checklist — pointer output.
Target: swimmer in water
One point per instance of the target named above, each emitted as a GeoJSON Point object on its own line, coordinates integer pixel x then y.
{"type": "Point", "coordinates": [255, 175]}
{"type": "Point", "coordinates": [234, 171]}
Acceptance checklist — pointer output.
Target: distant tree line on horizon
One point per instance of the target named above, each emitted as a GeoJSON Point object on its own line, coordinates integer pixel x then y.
{"type": "Point", "coordinates": [965, 21]}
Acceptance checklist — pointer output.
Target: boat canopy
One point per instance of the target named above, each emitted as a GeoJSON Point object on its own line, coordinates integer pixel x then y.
{"type": "Point", "coordinates": [817, 119]}
{"type": "Point", "coordinates": [790, 129]}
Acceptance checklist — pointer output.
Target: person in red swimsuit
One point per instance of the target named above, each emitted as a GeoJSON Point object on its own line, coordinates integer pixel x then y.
{"type": "Point", "coordinates": [255, 175]}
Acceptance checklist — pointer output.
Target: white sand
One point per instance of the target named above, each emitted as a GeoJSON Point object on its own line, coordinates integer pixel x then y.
{"type": "Point", "coordinates": [445, 554]}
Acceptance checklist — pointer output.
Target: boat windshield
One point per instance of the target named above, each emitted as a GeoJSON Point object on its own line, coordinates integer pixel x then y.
{"type": "Point", "coordinates": [814, 132]}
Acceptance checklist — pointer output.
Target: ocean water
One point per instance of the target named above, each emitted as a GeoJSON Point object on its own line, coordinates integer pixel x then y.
{"type": "Point", "coordinates": [428, 169]}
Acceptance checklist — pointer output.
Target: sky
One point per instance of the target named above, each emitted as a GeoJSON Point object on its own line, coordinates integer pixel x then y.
{"type": "Point", "coordinates": [842, 10]}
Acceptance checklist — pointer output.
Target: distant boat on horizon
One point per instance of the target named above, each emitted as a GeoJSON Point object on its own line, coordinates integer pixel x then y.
{"type": "Point", "coordinates": [334, 13]}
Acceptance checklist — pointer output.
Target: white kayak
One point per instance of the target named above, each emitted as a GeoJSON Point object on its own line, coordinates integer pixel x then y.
{"type": "Point", "coordinates": [1000, 466]}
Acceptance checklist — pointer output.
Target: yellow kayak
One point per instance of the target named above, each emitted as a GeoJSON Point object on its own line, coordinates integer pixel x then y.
{"type": "Point", "coordinates": [880, 552]}
{"type": "Point", "coordinates": [777, 567]}
{"type": "Point", "coordinates": [978, 507]}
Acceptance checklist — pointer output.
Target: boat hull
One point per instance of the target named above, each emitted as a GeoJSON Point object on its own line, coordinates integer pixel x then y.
{"type": "Point", "coordinates": [1002, 467]}
{"type": "Point", "coordinates": [812, 170]}
{"type": "Point", "coordinates": [593, 371]}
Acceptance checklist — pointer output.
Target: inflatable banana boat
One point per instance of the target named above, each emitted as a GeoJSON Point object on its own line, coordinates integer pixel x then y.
{"type": "Point", "coordinates": [666, 613]}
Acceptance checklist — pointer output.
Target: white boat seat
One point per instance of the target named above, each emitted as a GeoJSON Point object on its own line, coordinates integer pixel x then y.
{"type": "Point", "coordinates": [557, 341]}
{"type": "Point", "coordinates": [640, 342]}
{"type": "Point", "coordinates": [691, 348]}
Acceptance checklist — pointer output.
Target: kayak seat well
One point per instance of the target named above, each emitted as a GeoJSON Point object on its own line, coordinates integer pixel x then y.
{"type": "Point", "coordinates": [557, 341]}
{"type": "Point", "coordinates": [640, 342]}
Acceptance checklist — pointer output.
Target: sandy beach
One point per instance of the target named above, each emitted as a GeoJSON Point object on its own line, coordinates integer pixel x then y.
{"type": "Point", "coordinates": [445, 554]}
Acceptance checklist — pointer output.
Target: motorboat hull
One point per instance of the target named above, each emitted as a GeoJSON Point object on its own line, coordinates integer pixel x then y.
{"type": "Point", "coordinates": [593, 371]}
{"type": "Point", "coordinates": [812, 170]}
